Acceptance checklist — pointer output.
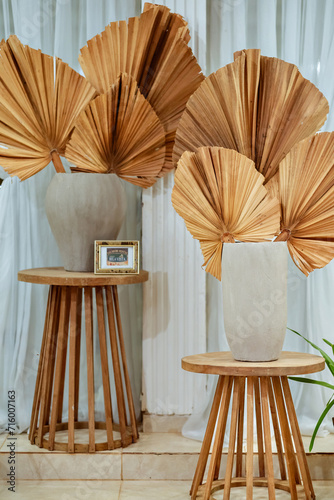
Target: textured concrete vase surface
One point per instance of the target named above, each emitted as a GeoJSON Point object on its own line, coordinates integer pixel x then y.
{"type": "Point", "coordinates": [81, 208]}
{"type": "Point", "coordinates": [254, 280]}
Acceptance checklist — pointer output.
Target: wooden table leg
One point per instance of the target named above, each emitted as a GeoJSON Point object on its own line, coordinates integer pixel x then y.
{"type": "Point", "coordinates": [90, 365]}
{"type": "Point", "coordinates": [60, 364]}
{"type": "Point", "coordinates": [293, 475]}
{"type": "Point", "coordinates": [203, 457]}
{"type": "Point", "coordinates": [72, 368]}
{"type": "Point", "coordinates": [250, 425]}
{"type": "Point", "coordinates": [240, 435]}
{"type": "Point", "coordinates": [277, 433]}
{"type": "Point", "coordinates": [267, 437]}
{"type": "Point", "coordinates": [258, 413]}
{"type": "Point", "coordinates": [301, 456]}
{"type": "Point", "coordinates": [135, 434]}
{"type": "Point", "coordinates": [233, 430]}
{"type": "Point", "coordinates": [116, 365]}
{"type": "Point", "coordinates": [104, 366]}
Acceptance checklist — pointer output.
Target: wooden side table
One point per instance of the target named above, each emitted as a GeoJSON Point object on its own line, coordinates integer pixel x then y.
{"type": "Point", "coordinates": [69, 293]}
{"type": "Point", "coordinates": [264, 388]}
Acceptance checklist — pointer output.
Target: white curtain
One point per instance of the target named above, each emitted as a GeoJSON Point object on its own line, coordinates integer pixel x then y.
{"type": "Point", "coordinates": [300, 32]}
{"type": "Point", "coordinates": [61, 28]}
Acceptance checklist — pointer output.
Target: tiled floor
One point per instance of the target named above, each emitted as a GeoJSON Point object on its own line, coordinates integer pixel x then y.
{"type": "Point", "coordinates": [158, 466]}
{"type": "Point", "coordinates": [135, 490]}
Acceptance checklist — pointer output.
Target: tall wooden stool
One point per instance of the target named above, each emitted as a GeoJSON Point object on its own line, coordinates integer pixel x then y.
{"type": "Point", "coordinates": [265, 389]}
{"type": "Point", "coordinates": [69, 293]}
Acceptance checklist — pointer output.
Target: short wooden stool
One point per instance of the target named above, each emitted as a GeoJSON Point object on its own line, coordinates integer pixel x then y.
{"type": "Point", "coordinates": [264, 388]}
{"type": "Point", "coordinates": [69, 292]}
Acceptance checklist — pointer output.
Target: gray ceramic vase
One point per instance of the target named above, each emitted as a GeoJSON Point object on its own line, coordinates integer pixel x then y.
{"type": "Point", "coordinates": [254, 280]}
{"type": "Point", "coordinates": [81, 208]}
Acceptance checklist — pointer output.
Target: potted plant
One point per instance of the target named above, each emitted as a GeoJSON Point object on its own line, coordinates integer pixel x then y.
{"type": "Point", "coordinates": [252, 169]}
{"type": "Point", "coordinates": [120, 119]}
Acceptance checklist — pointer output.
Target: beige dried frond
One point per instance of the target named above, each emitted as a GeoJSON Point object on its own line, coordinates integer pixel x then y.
{"type": "Point", "coordinates": [221, 197]}
{"type": "Point", "coordinates": [41, 96]}
{"type": "Point", "coordinates": [306, 189]}
{"type": "Point", "coordinates": [119, 132]}
{"type": "Point", "coordinates": [153, 49]}
{"type": "Point", "coordinates": [257, 105]}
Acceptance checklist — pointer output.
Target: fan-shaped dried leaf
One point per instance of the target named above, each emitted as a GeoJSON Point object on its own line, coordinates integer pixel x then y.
{"type": "Point", "coordinates": [41, 96]}
{"type": "Point", "coordinates": [221, 197]}
{"type": "Point", "coordinates": [119, 132]}
{"type": "Point", "coordinates": [306, 189]}
{"type": "Point", "coordinates": [152, 48]}
{"type": "Point", "coordinates": [257, 105]}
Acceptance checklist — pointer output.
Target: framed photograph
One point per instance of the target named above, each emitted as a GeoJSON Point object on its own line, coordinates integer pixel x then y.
{"type": "Point", "coordinates": [119, 257]}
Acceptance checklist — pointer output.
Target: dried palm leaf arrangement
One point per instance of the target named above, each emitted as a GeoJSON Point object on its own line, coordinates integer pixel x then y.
{"type": "Point", "coordinates": [264, 109]}
{"type": "Point", "coordinates": [152, 48]}
{"type": "Point", "coordinates": [109, 136]}
{"type": "Point", "coordinates": [41, 97]}
{"type": "Point", "coordinates": [306, 194]}
{"type": "Point", "coordinates": [142, 71]}
{"type": "Point", "coordinates": [259, 106]}
{"type": "Point", "coordinates": [221, 197]}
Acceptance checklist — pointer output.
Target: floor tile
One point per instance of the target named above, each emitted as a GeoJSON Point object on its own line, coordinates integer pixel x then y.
{"type": "Point", "coordinates": [3, 439]}
{"type": "Point", "coordinates": [62, 490]}
{"type": "Point", "coordinates": [155, 490]}
{"type": "Point", "coordinates": [160, 442]}
{"type": "Point", "coordinates": [63, 466]}
{"type": "Point", "coordinates": [159, 466]}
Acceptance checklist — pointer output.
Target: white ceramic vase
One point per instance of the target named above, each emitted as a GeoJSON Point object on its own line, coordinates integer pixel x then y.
{"type": "Point", "coordinates": [81, 208]}
{"type": "Point", "coordinates": [254, 280]}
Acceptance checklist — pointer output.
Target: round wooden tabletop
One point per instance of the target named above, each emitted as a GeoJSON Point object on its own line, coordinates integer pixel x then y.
{"type": "Point", "coordinates": [58, 276]}
{"type": "Point", "coordinates": [223, 363]}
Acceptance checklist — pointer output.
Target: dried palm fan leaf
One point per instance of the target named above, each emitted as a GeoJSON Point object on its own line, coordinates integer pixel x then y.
{"type": "Point", "coordinates": [153, 49]}
{"type": "Point", "coordinates": [256, 105]}
{"type": "Point", "coordinates": [306, 190]}
{"type": "Point", "coordinates": [119, 132]}
{"type": "Point", "coordinates": [221, 197]}
{"type": "Point", "coordinates": [41, 96]}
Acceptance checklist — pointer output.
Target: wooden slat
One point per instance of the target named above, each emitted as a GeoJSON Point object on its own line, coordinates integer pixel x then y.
{"type": "Point", "coordinates": [104, 366]}
{"type": "Point", "coordinates": [45, 390]}
{"type": "Point", "coordinates": [226, 404]}
{"type": "Point", "coordinates": [116, 364]}
{"type": "Point", "coordinates": [258, 413]}
{"type": "Point", "coordinates": [277, 431]}
{"type": "Point", "coordinates": [293, 475]}
{"type": "Point", "coordinates": [72, 360]}
{"type": "Point", "coordinates": [231, 445]}
{"type": "Point", "coordinates": [238, 471]}
{"type": "Point", "coordinates": [77, 354]}
{"type": "Point", "coordinates": [61, 355]}
{"type": "Point", "coordinates": [267, 437]}
{"type": "Point", "coordinates": [219, 437]}
{"type": "Point", "coordinates": [40, 408]}
{"type": "Point", "coordinates": [51, 368]}
{"type": "Point", "coordinates": [41, 364]}
{"type": "Point", "coordinates": [306, 476]}
{"type": "Point", "coordinates": [125, 366]}
{"type": "Point", "coordinates": [205, 449]}
{"type": "Point", "coordinates": [90, 365]}
{"type": "Point", "coordinates": [63, 367]}
{"type": "Point", "coordinates": [250, 430]}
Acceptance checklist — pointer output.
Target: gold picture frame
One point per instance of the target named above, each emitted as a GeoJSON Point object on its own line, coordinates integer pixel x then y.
{"type": "Point", "coordinates": [116, 257]}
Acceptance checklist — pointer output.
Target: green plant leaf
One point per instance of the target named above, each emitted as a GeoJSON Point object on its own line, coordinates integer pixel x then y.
{"type": "Point", "coordinates": [329, 362]}
{"type": "Point", "coordinates": [330, 344]}
{"type": "Point", "coordinates": [322, 416]}
{"type": "Point", "coordinates": [312, 381]}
